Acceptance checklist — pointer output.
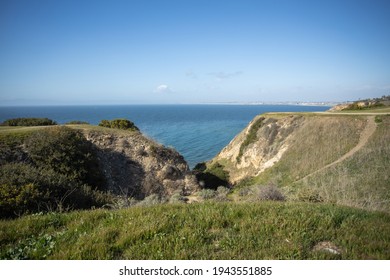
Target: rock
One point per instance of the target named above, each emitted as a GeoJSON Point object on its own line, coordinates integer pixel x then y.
{"type": "Point", "coordinates": [328, 247]}
{"type": "Point", "coordinates": [243, 158]}
{"type": "Point", "coordinates": [136, 166]}
{"type": "Point", "coordinates": [170, 172]}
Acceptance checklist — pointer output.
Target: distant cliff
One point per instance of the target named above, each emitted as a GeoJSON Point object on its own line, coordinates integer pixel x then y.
{"type": "Point", "coordinates": [314, 157]}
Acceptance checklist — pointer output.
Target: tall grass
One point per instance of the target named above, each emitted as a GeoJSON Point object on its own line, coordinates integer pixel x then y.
{"type": "Point", "coordinates": [362, 180]}
{"type": "Point", "coordinates": [267, 230]}
{"type": "Point", "coordinates": [320, 141]}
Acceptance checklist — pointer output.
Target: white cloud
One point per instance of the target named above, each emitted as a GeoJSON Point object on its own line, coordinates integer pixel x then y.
{"type": "Point", "coordinates": [163, 89]}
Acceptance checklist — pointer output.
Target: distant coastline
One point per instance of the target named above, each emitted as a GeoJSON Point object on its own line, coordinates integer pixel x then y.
{"type": "Point", "coordinates": [288, 103]}
{"type": "Point", "coordinates": [242, 103]}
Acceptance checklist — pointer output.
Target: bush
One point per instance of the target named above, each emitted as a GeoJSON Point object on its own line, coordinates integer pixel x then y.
{"type": "Point", "coordinates": [67, 152]}
{"type": "Point", "coordinates": [17, 200]}
{"type": "Point", "coordinates": [122, 202]}
{"type": "Point", "coordinates": [221, 193]}
{"type": "Point", "coordinates": [77, 122]}
{"type": "Point", "coordinates": [177, 197]}
{"type": "Point", "coordinates": [28, 122]}
{"type": "Point", "coordinates": [207, 194]}
{"type": "Point", "coordinates": [119, 124]}
{"type": "Point", "coordinates": [270, 193]}
{"type": "Point", "coordinates": [309, 195]}
{"type": "Point", "coordinates": [152, 199]}
{"type": "Point", "coordinates": [378, 119]}
{"type": "Point", "coordinates": [28, 189]}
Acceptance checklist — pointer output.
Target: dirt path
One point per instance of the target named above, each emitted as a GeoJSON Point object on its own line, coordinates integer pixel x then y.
{"type": "Point", "coordinates": [364, 136]}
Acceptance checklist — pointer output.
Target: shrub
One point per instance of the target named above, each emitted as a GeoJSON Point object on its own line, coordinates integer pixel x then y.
{"type": "Point", "coordinates": [309, 195]}
{"type": "Point", "coordinates": [28, 189]}
{"type": "Point", "coordinates": [378, 119]}
{"type": "Point", "coordinates": [177, 197]}
{"type": "Point", "coordinates": [270, 193]}
{"type": "Point", "coordinates": [17, 200]}
{"type": "Point", "coordinates": [152, 199]}
{"type": "Point", "coordinates": [119, 124]}
{"type": "Point", "coordinates": [11, 148]}
{"type": "Point", "coordinates": [77, 122]}
{"type": "Point", "coordinates": [221, 193]}
{"type": "Point", "coordinates": [122, 202]}
{"type": "Point", "coordinates": [67, 152]}
{"type": "Point", "coordinates": [207, 193]}
{"type": "Point", "coordinates": [28, 122]}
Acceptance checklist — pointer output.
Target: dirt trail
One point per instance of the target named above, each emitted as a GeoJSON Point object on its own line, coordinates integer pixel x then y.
{"type": "Point", "coordinates": [364, 136]}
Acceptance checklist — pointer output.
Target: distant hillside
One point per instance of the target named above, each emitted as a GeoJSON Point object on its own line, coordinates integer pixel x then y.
{"type": "Point", "coordinates": [334, 158]}
{"type": "Point", "coordinates": [379, 103]}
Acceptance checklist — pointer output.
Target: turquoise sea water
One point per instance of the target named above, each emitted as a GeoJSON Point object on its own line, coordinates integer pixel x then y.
{"type": "Point", "coordinates": [198, 132]}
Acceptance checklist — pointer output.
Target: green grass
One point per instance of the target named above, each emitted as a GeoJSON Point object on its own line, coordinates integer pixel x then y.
{"type": "Point", "coordinates": [268, 230]}
{"type": "Point", "coordinates": [16, 134]}
{"type": "Point", "coordinates": [362, 180]}
{"type": "Point", "coordinates": [320, 141]}
{"type": "Point", "coordinates": [251, 137]}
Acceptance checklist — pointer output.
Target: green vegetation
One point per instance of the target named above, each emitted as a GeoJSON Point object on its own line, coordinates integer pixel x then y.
{"type": "Point", "coordinates": [319, 142]}
{"type": "Point", "coordinates": [119, 124]}
{"type": "Point", "coordinates": [67, 152]}
{"type": "Point", "coordinates": [48, 169]}
{"type": "Point", "coordinates": [251, 136]}
{"type": "Point", "coordinates": [369, 104]}
{"type": "Point", "coordinates": [28, 122]}
{"type": "Point", "coordinates": [364, 106]}
{"type": "Point", "coordinates": [378, 119]}
{"type": "Point", "coordinates": [77, 122]}
{"type": "Point", "coordinates": [220, 194]}
{"type": "Point", "coordinates": [361, 181]}
{"type": "Point", "coordinates": [289, 211]}
{"type": "Point", "coordinates": [267, 230]}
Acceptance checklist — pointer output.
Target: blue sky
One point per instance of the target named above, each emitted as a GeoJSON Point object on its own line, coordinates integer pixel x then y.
{"type": "Point", "coordinates": [143, 51]}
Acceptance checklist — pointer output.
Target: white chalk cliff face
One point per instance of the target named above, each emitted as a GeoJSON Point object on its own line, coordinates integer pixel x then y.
{"type": "Point", "coordinates": [259, 146]}
{"type": "Point", "coordinates": [136, 166]}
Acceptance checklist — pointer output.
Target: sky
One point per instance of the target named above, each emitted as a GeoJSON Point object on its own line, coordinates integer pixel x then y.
{"type": "Point", "coordinates": [192, 51]}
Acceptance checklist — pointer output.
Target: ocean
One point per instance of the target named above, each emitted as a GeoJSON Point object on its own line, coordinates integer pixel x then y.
{"type": "Point", "coordinates": [198, 132]}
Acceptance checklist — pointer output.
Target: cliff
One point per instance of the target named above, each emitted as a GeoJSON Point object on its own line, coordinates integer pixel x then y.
{"type": "Point", "coordinates": [259, 146]}
{"type": "Point", "coordinates": [134, 165]}
{"type": "Point", "coordinates": [314, 157]}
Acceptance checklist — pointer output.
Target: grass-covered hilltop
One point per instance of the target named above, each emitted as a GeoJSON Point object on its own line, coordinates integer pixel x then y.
{"type": "Point", "coordinates": [289, 186]}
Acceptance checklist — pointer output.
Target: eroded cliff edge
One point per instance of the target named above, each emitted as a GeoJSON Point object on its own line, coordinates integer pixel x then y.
{"type": "Point", "coordinates": [134, 165]}
{"type": "Point", "coordinates": [324, 157]}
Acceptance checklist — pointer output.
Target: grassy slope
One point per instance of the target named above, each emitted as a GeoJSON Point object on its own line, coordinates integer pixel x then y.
{"type": "Point", "coordinates": [361, 181]}
{"type": "Point", "coordinates": [219, 230]}
{"type": "Point", "coordinates": [266, 230]}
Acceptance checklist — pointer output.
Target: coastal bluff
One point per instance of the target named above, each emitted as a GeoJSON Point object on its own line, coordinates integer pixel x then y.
{"type": "Point", "coordinates": [134, 165]}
